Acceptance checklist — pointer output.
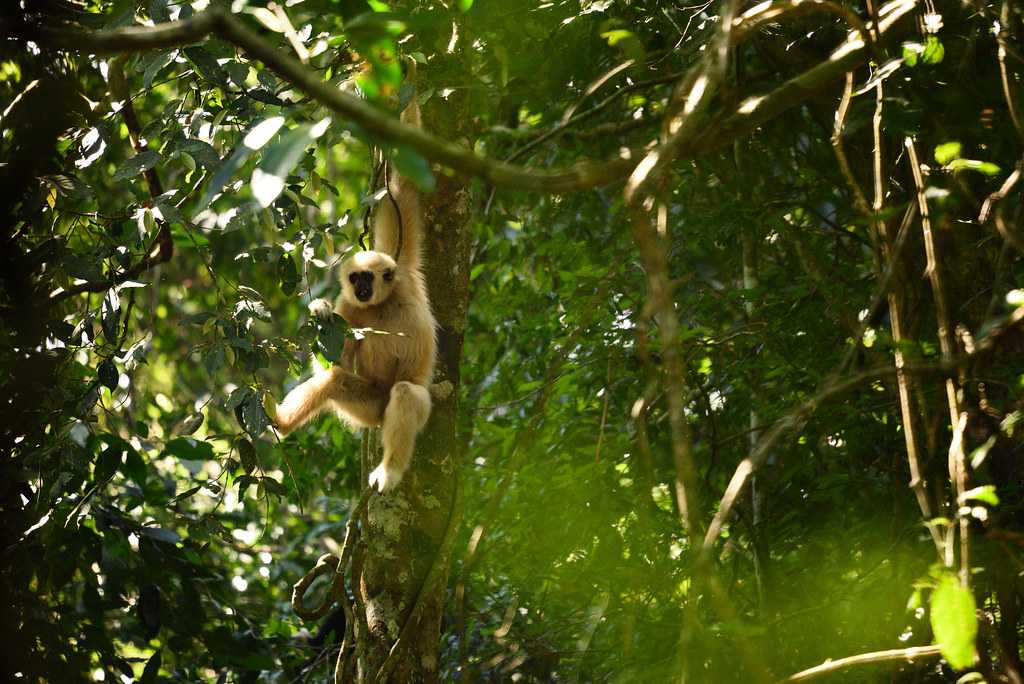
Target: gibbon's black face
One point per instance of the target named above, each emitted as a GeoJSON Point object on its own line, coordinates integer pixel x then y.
{"type": "Point", "coordinates": [368, 278]}
{"type": "Point", "coordinates": [362, 283]}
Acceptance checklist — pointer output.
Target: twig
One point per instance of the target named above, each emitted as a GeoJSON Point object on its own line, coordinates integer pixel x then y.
{"type": "Point", "coordinates": [331, 563]}
{"type": "Point", "coordinates": [957, 419]}
{"type": "Point", "coordinates": [1011, 102]}
{"type": "Point", "coordinates": [945, 331]}
{"type": "Point", "coordinates": [995, 199]}
{"type": "Point", "coordinates": [903, 654]}
{"type": "Point", "coordinates": [686, 112]}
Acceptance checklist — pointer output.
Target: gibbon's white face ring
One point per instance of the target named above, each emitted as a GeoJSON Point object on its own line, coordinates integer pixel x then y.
{"type": "Point", "coordinates": [368, 278]}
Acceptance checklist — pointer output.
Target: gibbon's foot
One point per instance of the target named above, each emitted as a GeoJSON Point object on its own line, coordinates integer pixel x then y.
{"type": "Point", "coordinates": [384, 479]}
{"type": "Point", "coordinates": [321, 308]}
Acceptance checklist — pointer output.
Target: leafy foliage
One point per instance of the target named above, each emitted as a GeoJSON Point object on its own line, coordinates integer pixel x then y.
{"type": "Point", "coordinates": [153, 524]}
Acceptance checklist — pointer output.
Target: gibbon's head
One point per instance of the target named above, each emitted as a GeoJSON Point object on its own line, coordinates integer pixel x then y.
{"type": "Point", "coordinates": [368, 278]}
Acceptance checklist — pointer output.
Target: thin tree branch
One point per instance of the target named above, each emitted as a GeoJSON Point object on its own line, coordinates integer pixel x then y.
{"type": "Point", "coordinates": [897, 654]}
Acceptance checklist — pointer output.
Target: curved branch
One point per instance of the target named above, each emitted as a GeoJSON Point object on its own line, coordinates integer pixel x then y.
{"type": "Point", "coordinates": [586, 174]}
{"type": "Point", "coordinates": [903, 654]}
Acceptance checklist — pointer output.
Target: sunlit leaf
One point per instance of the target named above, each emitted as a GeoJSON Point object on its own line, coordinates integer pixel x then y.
{"type": "Point", "coordinates": [947, 152]}
{"type": "Point", "coordinates": [987, 168]}
{"type": "Point", "coordinates": [933, 52]}
{"type": "Point", "coordinates": [985, 494]}
{"type": "Point", "coordinates": [279, 159]}
{"type": "Point", "coordinates": [954, 621]}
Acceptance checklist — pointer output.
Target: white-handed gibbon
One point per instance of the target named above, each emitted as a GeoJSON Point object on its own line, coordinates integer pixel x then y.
{"type": "Point", "coordinates": [381, 379]}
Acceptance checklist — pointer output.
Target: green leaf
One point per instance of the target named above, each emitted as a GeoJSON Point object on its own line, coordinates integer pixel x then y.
{"type": "Point", "coordinates": [78, 266]}
{"type": "Point", "coordinates": [158, 10]}
{"type": "Point", "coordinates": [189, 449]}
{"type": "Point", "coordinates": [280, 158]}
{"type": "Point", "coordinates": [246, 454]}
{"type": "Point", "coordinates": [244, 482]}
{"type": "Point", "coordinates": [152, 669]}
{"type": "Point", "coordinates": [627, 41]}
{"type": "Point", "coordinates": [215, 359]}
{"type": "Point", "coordinates": [985, 494]}
{"type": "Point", "coordinates": [987, 168]}
{"type": "Point", "coordinates": [331, 338]}
{"type": "Point", "coordinates": [110, 315]}
{"type": "Point", "coordinates": [415, 168]}
{"type": "Point", "coordinates": [207, 66]}
{"type": "Point", "coordinates": [135, 166]}
{"type": "Point", "coordinates": [161, 534]}
{"type": "Point", "coordinates": [254, 418]}
{"type": "Point", "coordinates": [202, 152]}
{"type": "Point", "coordinates": [933, 51]}
{"type": "Point", "coordinates": [192, 491]}
{"type": "Point", "coordinates": [257, 136]}
{"type": "Point", "coordinates": [273, 486]}
{"type": "Point", "coordinates": [910, 53]}
{"type": "Point", "coordinates": [465, 5]}
{"type": "Point", "coordinates": [954, 621]}
{"type": "Point", "coordinates": [947, 152]}
{"type": "Point", "coordinates": [109, 460]}
{"type": "Point", "coordinates": [134, 467]}
{"type": "Point", "coordinates": [287, 273]}
{"type": "Point", "coordinates": [108, 375]}
{"type": "Point", "coordinates": [156, 64]}
{"type": "Point", "coordinates": [223, 175]}
{"type": "Point", "coordinates": [70, 186]}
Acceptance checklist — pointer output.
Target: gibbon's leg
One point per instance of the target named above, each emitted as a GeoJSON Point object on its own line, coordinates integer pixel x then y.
{"type": "Point", "coordinates": [406, 414]}
{"type": "Point", "coordinates": [361, 402]}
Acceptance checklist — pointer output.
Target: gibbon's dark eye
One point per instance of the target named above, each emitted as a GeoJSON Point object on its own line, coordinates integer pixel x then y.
{"type": "Point", "coordinates": [352, 278]}
{"type": "Point", "coordinates": [389, 276]}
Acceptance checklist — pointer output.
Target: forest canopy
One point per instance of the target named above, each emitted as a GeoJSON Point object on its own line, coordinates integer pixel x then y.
{"type": "Point", "coordinates": [729, 300]}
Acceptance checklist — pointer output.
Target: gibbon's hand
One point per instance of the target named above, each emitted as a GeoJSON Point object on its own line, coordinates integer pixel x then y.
{"type": "Point", "coordinates": [322, 309]}
{"type": "Point", "coordinates": [384, 480]}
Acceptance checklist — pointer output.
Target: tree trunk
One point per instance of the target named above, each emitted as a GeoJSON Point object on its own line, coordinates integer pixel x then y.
{"type": "Point", "coordinates": [408, 527]}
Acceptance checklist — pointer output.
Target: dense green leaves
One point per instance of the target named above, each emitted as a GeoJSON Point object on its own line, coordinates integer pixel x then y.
{"type": "Point", "coordinates": [154, 524]}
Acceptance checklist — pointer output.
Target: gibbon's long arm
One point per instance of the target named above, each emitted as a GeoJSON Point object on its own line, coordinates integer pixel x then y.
{"type": "Point", "coordinates": [401, 238]}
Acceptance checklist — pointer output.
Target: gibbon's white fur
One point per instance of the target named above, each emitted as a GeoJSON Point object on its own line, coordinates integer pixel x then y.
{"type": "Point", "coordinates": [381, 379]}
